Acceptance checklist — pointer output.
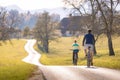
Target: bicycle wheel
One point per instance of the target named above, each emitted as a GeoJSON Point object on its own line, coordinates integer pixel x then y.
{"type": "Point", "coordinates": [75, 59]}
{"type": "Point", "coordinates": [88, 60]}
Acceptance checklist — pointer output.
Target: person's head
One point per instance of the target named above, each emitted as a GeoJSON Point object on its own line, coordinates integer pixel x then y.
{"type": "Point", "coordinates": [75, 41]}
{"type": "Point", "coordinates": [89, 31]}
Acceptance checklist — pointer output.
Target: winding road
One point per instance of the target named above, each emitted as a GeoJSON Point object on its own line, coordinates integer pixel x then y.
{"type": "Point", "coordinates": [68, 72]}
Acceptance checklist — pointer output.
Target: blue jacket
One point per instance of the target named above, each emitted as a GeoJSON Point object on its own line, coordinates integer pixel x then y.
{"type": "Point", "coordinates": [88, 39]}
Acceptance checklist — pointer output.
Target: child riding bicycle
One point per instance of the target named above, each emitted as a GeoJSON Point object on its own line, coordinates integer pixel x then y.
{"type": "Point", "coordinates": [75, 46]}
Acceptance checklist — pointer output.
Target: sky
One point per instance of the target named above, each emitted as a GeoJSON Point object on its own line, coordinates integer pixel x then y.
{"type": "Point", "coordinates": [33, 4]}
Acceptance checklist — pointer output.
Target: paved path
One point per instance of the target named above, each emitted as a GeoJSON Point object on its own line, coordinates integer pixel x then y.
{"type": "Point", "coordinates": [69, 72]}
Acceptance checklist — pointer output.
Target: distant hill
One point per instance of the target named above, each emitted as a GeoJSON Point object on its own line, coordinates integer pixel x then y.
{"type": "Point", "coordinates": [60, 10]}
{"type": "Point", "coordinates": [30, 20]}
{"type": "Point", "coordinates": [10, 7]}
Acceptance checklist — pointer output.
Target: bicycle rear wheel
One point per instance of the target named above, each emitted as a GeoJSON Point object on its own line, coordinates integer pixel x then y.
{"type": "Point", "coordinates": [88, 60]}
{"type": "Point", "coordinates": [75, 59]}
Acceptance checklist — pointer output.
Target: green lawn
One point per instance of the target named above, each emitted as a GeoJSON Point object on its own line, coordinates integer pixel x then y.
{"type": "Point", "coordinates": [60, 53]}
{"type": "Point", "coordinates": [11, 65]}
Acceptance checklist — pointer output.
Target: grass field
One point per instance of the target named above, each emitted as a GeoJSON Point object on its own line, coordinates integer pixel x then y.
{"type": "Point", "coordinates": [60, 53]}
{"type": "Point", "coordinates": [11, 65]}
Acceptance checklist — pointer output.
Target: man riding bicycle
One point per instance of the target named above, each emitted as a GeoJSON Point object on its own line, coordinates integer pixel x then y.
{"type": "Point", "coordinates": [75, 46]}
{"type": "Point", "coordinates": [88, 41]}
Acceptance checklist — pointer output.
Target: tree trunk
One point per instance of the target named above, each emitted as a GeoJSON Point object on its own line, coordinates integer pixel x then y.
{"type": "Point", "coordinates": [110, 45]}
{"type": "Point", "coordinates": [45, 45]}
{"type": "Point", "coordinates": [95, 51]}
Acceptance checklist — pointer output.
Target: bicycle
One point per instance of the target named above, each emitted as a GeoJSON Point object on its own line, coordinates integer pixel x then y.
{"type": "Point", "coordinates": [89, 57]}
{"type": "Point", "coordinates": [75, 57]}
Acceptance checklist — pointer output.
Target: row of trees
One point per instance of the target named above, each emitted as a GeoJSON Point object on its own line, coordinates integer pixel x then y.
{"type": "Point", "coordinates": [102, 17]}
{"type": "Point", "coordinates": [14, 24]}
{"type": "Point", "coordinates": [11, 23]}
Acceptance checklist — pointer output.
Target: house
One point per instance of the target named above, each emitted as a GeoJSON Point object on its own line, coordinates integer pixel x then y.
{"type": "Point", "coordinates": [73, 24]}
{"type": "Point", "coordinates": [64, 24]}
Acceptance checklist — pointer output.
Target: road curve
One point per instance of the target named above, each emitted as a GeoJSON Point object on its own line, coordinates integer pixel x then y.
{"type": "Point", "coordinates": [69, 72]}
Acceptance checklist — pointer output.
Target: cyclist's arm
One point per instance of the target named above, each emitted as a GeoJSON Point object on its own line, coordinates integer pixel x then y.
{"type": "Point", "coordinates": [72, 47]}
{"type": "Point", "coordinates": [83, 41]}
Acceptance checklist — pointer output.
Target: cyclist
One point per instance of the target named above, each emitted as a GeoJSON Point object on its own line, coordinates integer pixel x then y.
{"type": "Point", "coordinates": [88, 41]}
{"type": "Point", "coordinates": [75, 46]}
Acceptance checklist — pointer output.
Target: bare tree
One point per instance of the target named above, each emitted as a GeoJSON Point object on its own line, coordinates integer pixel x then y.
{"type": "Point", "coordinates": [13, 18]}
{"type": "Point", "coordinates": [13, 21]}
{"type": "Point", "coordinates": [77, 6]}
{"type": "Point", "coordinates": [107, 9]}
{"type": "Point", "coordinates": [4, 30]}
{"type": "Point", "coordinates": [116, 24]}
{"type": "Point", "coordinates": [44, 31]}
{"type": "Point", "coordinates": [26, 31]}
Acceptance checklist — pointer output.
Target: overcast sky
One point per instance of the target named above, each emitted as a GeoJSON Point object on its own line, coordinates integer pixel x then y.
{"type": "Point", "coordinates": [32, 4]}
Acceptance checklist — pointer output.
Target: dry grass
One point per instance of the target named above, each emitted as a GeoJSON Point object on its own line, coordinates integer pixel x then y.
{"type": "Point", "coordinates": [11, 65]}
{"type": "Point", "coordinates": [60, 53]}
